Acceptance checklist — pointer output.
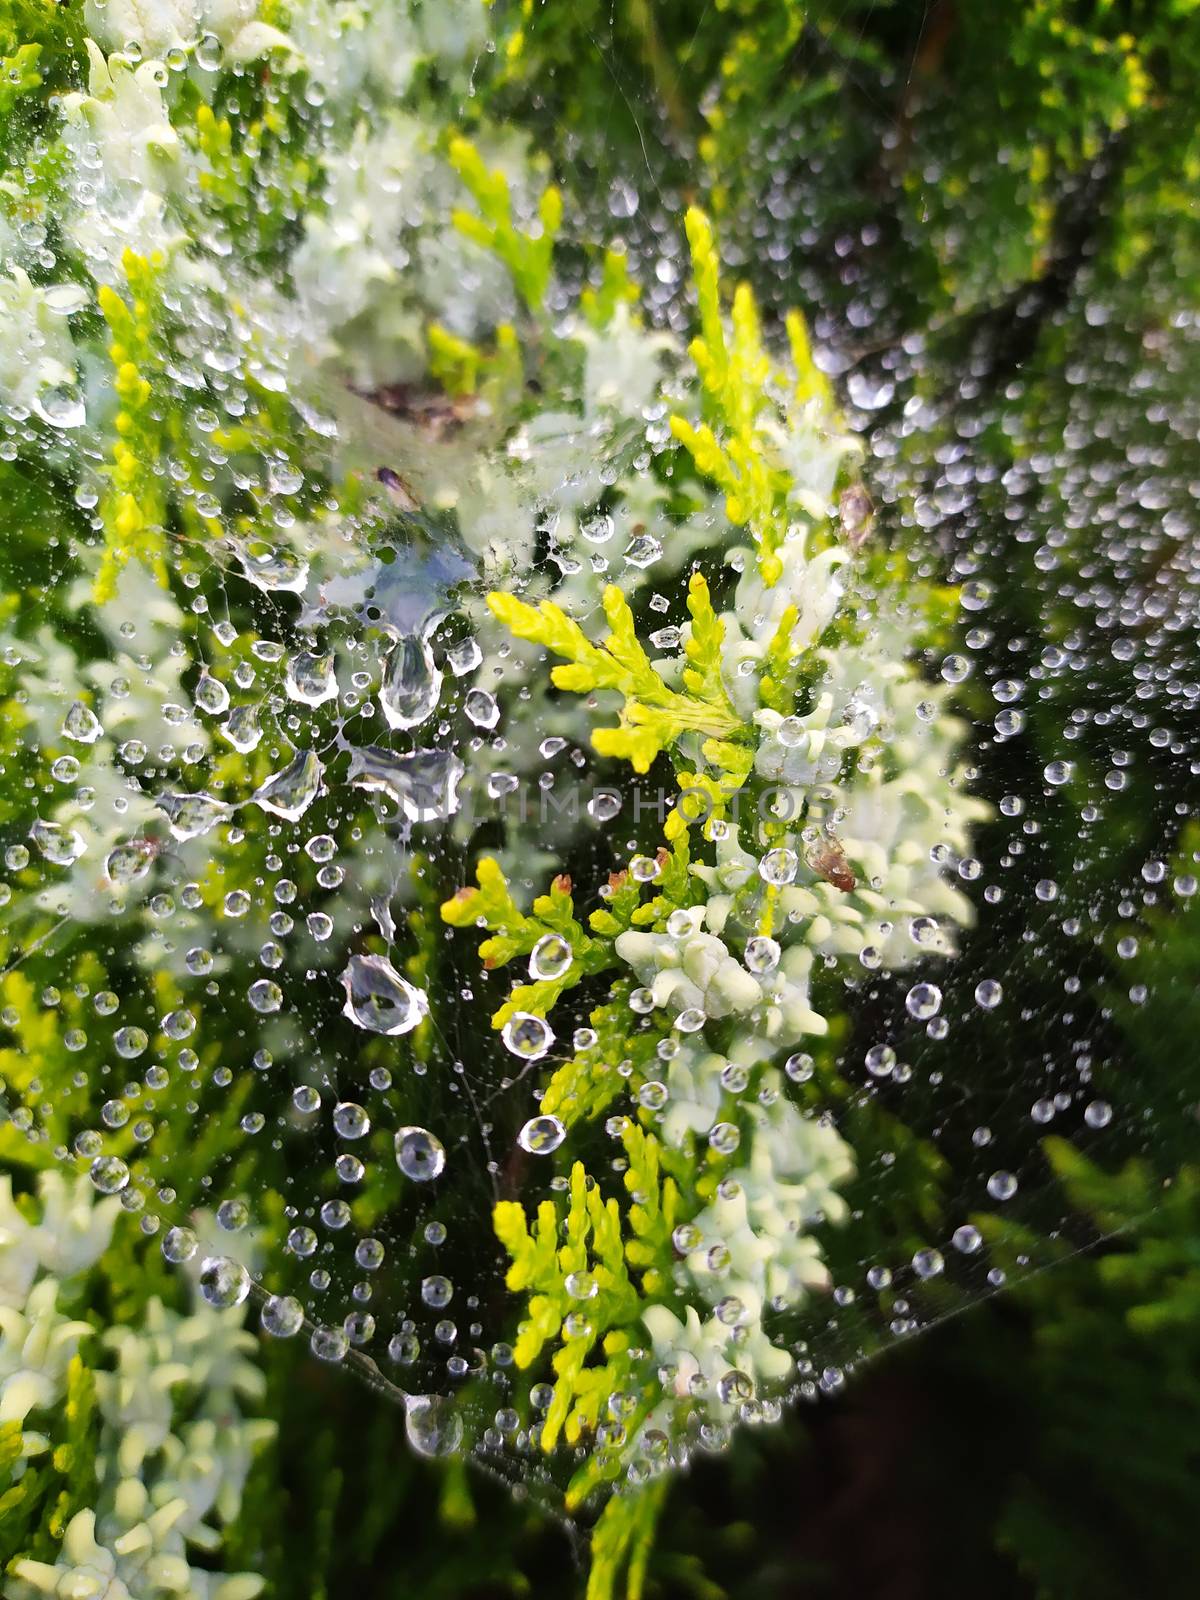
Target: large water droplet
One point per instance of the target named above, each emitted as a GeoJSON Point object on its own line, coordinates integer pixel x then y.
{"type": "Point", "coordinates": [527, 1036]}
{"type": "Point", "coordinates": [289, 792]}
{"type": "Point", "coordinates": [211, 695]}
{"type": "Point", "coordinates": [82, 724]}
{"type": "Point", "coordinates": [423, 783]}
{"type": "Point", "coordinates": [128, 862]}
{"type": "Point", "coordinates": [270, 569]}
{"type": "Point", "coordinates": [481, 708]}
{"type": "Point", "coordinates": [61, 406]}
{"type": "Point", "coordinates": [420, 1155]}
{"type": "Point", "coordinates": [109, 1174]}
{"type": "Point", "coordinates": [433, 1426]}
{"type": "Point", "coordinates": [541, 1135]}
{"type": "Point", "coordinates": [224, 1282]}
{"type": "Point", "coordinates": [190, 815]}
{"type": "Point", "coordinates": [241, 728]}
{"type": "Point", "coordinates": [282, 1316]}
{"type": "Point", "coordinates": [411, 684]}
{"type": "Point", "coordinates": [311, 679]}
{"type": "Point", "coordinates": [550, 957]}
{"type": "Point", "coordinates": [61, 846]}
{"type": "Point", "coordinates": [179, 1244]}
{"type": "Point", "coordinates": [379, 999]}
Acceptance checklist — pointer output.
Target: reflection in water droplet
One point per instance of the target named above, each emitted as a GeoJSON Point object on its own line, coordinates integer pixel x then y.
{"type": "Point", "coordinates": [481, 708]}
{"type": "Point", "coordinates": [379, 999]}
{"type": "Point", "coordinates": [282, 1316]}
{"type": "Point", "coordinates": [432, 1424]}
{"type": "Point", "coordinates": [527, 1036]}
{"type": "Point", "coordinates": [423, 783]}
{"type": "Point", "coordinates": [270, 569]}
{"type": "Point", "coordinates": [311, 679]}
{"type": "Point", "coordinates": [211, 695]}
{"type": "Point", "coordinates": [923, 1001]}
{"type": "Point", "coordinates": [109, 1174]}
{"type": "Point", "coordinates": [550, 957]}
{"type": "Point", "coordinates": [223, 1282]}
{"type": "Point", "coordinates": [1002, 1185]}
{"type": "Point", "coordinates": [126, 863]}
{"type": "Point", "coordinates": [464, 657]}
{"type": "Point", "coordinates": [420, 1155]}
{"type": "Point", "coordinates": [289, 792]}
{"type": "Point", "coordinates": [541, 1135]}
{"type": "Point", "coordinates": [266, 997]}
{"type": "Point", "coordinates": [928, 1263]}
{"type": "Point", "coordinates": [350, 1120]}
{"type": "Point", "coordinates": [179, 1244]}
{"type": "Point", "coordinates": [411, 684]}
{"type": "Point", "coordinates": [82, 724]}
{"type": "Point", "coordinates": [61, 406]}
{"type": "Point", "coordinates": [241, 728]}
{"type": "Point", "coordinates": [61, 846]}
{"type": "Point", "coordinates": [190, 815]}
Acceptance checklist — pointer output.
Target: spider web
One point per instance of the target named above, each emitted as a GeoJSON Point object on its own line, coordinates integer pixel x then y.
{"type": "Point", "coordinates": [259, 1096]}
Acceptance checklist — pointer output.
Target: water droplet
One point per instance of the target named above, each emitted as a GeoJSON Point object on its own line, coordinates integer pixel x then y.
{"type": "Point", "coordinates": [233, 1215]}
{"type": "Point", "coordinates": [527, 1036]}
{"type": "Point", "coordinates": [928, 1263]}
{"type": "Point", "coordinates": [329, 1344]}
{"type": "Point", "coordinates": [224, 1282]}
{"type": "Point", "coordinates": [924, 1000]}
{"type": "Point", "coordinates": [282, 1316]}
{"type": "Point", "coordinates": [550, 958]}
{"type": "Point", "coordinates": [423, 783]}
{"type": "Point", "coordinates": [880, 1060]}
{"type": "Point", "coordinates": [420, 1155]}
{"type": "Point", "coordinates": [779, 866]}
{"type": "Point", "coordinates": [541, 1135]}
{"type": "Point", "coordinates": [432, 1425]}
{"type": "Point", "coordinates": [289, 792]}
{"type": "Point", "coordinates": [82, 724]}
{"type": "Point", "coordinates": [265, 996]}
{"type": "Point", "coordinates": [481, 708]}
{"type": "Point", "coordinates": [61, 405]}
{"type": "Point", "coordinates": [273, 570]}
{"type": "Point", "coordinates": [350, 1120]}
{"type": "Point", "coordinates": [379, 999]}
{"type": "Point", "coordinates": [762, 954]}
{"type": "Point", "coordinates": [211, 695]}
{"type": "Point", "coordinates": [130, 1042]}
{"type": "Point", "coordinates": [1002, 1185]}
{"type": "Point", "coordinates": [643, 551]}
{"type": "Point", "coordinates": [128, 862]}
{"type": "Point", "coordinates": [60, 846]}
{"type": "Point", "coordinates": [464, 657]}
{"type": "Point", "coordinates": [311, 679]}
{"type": "Point", "coordinates": [191, 815]}
{"type": "Point", "coordinates": [241, 728]}
{"type": "Point", "coordinates": [179, 1244]}
{"type": "Point", "coordinates": [411, 684]}
{"type": "Point", "coordinates": [109, 1174]}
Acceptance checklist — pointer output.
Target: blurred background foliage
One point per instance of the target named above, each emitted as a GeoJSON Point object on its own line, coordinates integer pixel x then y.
{"type": "Point", "coordinates": [974, 200]}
